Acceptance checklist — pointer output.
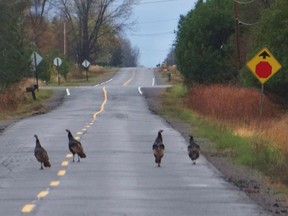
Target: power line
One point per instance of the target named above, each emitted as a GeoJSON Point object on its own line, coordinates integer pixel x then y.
{"type": "Point", "coordinates": [241, 2]}
{"type": "Point", "coordinates": [155, 34]}
{"type": "Point", "coordinates": [155, 2]}
{"type": "Point", "coordinates": [159, 21]}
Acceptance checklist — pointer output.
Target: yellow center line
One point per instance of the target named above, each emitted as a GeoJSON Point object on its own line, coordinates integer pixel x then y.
{"type": "Point", "coordinates": [61, 172]}
{"type": "Point", "coordinates": [69, 155]}
{"type": "Point", "coordinates": [42, 194]}
{"type": "Point", "coordinates": [65, 163]}
{"type": "Point", "coordinates": [77, 138]}
{"type": "Point", "coordinates": [54, 183]}
{"type": "Point", "coordinates": [102, 105]}
{"type": "Point", "coordinates": [28, 208]}
{"type": "Point", "coordinates": [79, 133]}
{"type": "Point", "coordinates": [127, 82]}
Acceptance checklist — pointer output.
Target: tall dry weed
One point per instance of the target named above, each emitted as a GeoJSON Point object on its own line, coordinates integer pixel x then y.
{"type": "Point", "coordinates": [277, 130]}
{"type": "Point", "coordinates": [15, 95]}
{"type": "Point", "coordinates": [230, 103]}
{"type": "Point", "coordinates": [240, 108]}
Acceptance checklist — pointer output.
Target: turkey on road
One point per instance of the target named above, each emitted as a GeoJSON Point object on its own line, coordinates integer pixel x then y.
{"type": "Point", "coordinates": [41, 154]}
{"type": "Point", "coordinates": [158, 148]}
{"type": "Point", "coordinates": [75, 146]}
{"type": "Point", "coordinates": [193, 150]}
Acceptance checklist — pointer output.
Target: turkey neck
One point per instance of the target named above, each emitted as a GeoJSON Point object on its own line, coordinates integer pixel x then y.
{"type": "Point", "coordinates": [37, 143]}
{"type": "Point", "coordinates": [70, 137]}
{"type": "Point", "coordinates": [160, 136]}
{"type": "Point", "coordinates": [192, 141]}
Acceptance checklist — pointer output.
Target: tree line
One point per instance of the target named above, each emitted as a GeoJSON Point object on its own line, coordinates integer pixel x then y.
{"type": "Point", "coordinates": [73, 30]}
{"type": "Point", "coordinates": [216, 39]}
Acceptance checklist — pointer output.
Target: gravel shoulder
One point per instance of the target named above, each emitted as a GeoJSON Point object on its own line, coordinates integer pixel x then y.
{"type": "Point", "coordinates": [254, 185]}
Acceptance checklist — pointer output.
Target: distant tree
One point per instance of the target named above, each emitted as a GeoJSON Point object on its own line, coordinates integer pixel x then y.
{"type": "Point", "coordinates": [106, 44]}
{"type": "Point", "coordinates": [122, 53]}
{"type": "Point", "coordinates": [170, 58]}
{"type": "Point", "coordinates": [88, 20]}
{"type": "Point", "coordinates": [116, 58]}
{"type": "Point", "coordinates": [37, 24]}
{"type": "Point", "coordinates": [14, 57]}
{"type": "Point", "coordinates": [271, 32]}
{"type": "Point", "coordinates": [202, 50]}
{"type": "Point", "coordinates": [130, 55]}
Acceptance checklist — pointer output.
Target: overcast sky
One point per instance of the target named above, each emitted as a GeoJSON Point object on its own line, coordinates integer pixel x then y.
{"type": "Point", "coordinates": [154, 31]}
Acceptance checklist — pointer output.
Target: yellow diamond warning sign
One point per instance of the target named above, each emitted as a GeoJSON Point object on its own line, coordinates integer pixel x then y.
{"type": "Point", "coordinates": [263, 65]}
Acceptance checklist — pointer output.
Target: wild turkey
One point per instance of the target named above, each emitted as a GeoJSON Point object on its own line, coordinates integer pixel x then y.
{"type": "Point", "coordinates": [158, 148]}
{"type": "Point", "coordinates": [193, 150]}
{"type": "Point", "coordinates": [41, 154]}
{"type": "Point", "coordinates": [75, 146]}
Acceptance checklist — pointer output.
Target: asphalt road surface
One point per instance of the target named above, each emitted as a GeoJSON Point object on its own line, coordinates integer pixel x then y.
{"type": "Point", "coordinates": [119, 176]}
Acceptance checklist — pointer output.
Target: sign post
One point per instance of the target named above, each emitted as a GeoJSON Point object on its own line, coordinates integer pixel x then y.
{"type": "Point", "coordinates": [57, 63]}
{"type": "Point", "coordinates": [263, 65]}
{"type": "Point", "coordinates": [36, 59]}
{"type": "Point", "coordinates": [86, 65]}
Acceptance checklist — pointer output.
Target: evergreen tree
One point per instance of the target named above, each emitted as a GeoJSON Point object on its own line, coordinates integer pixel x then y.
{"type": "Point", "coordinates": [271, 32]}
{"type": "Point", "coordinates": [14, 58]}
{"type": "Point", "coordinates": [202, 51]}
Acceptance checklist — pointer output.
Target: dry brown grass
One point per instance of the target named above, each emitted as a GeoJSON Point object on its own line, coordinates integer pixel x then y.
{"type": "Point", "coordinates": [76, 73]}
{"type": "Point", "coordinates": [277, 130]}
{"type": "Point", "coordinates": [231, 103]}
{"type": "Point", "coordinates": [14, 94]}
{"type": "Point", "coordinates": [96, 69]}
{"type": "Point", "coordinates": [15, 97]}
{"type": "Point", "coordinates": [240, 108]}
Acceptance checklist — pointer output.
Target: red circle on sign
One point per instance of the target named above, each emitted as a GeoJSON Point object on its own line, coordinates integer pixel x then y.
{"type": "Point", "coordinates": [263, 69]}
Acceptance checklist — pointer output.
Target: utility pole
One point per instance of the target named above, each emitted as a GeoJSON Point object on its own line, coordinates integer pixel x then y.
{"type": "Point", "coordinates": [64, 38]}
{"type": "Point", "coordinates": [237, 31]}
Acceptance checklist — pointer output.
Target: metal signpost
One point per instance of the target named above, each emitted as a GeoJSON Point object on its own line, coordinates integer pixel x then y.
{"type": "Point", "coordinates": [36, 59]}
{"type": "Point", "coordinates": [263, 65]}
{"type": "Point", "coordinates": [57, 63]}
{"type": "Point", "coordinates": [86, 65]}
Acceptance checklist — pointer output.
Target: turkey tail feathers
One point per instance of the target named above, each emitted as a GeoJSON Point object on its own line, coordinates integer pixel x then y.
{"type": "Point", "coordinates": [81, 155]}
{"type": "Point", "coordinates": [46, 164]}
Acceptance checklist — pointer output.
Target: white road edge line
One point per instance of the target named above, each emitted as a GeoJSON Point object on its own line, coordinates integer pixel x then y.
{"type": "Point", "coordinates": [104, 82]}
{"type": "Point", "coordinates": [153, 81]}
{"type": "Point", "coordinates": [67, 91]}
{"type": "Point", "coordinates": [139, 89]}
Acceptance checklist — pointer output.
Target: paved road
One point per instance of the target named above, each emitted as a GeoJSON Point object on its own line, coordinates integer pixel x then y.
{"type": "Point", "coordinates": [119, 176]}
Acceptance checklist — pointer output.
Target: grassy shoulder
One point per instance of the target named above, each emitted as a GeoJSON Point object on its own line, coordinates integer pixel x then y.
{"type": "Point", "coordinates": [256, 151]}
{"type": "Point", "coordinates": [94, 76]}
{"type": "Point", "coordinates": [17, 103]}
{"type": "Point", "coordinates": [25, 104]}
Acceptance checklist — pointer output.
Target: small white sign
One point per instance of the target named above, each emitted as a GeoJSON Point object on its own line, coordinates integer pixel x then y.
{"type": "Point", "coordinates": [57, 61]}
{"type": "Point", "coordinates": [86, 63]}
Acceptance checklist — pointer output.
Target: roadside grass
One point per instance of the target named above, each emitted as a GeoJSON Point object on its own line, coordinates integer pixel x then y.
{"type": "Point", "coordinates": [20, 103]}
{"type": "Point", "coordinates": [258, 150]}
{"type": "Point", "coordinates": [96, 75]}
{"type": "Point", "coordinates": [16, 102]}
